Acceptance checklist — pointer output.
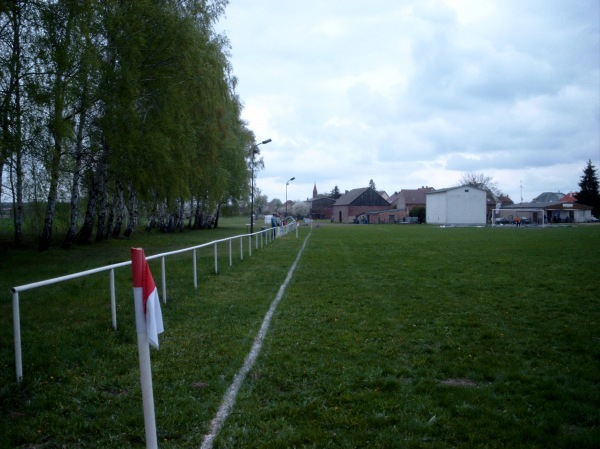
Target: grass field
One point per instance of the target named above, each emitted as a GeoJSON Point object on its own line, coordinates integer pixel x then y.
{"type": "Point", "coordinates": [387, 337]}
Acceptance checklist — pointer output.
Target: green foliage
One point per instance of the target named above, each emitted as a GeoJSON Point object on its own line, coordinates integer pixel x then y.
{"type": "Point", "coordinates": [153, 81]}
{"type": "Point", "coordinates": [386, 336]}
{"type": "Point", "coordinates": [418, 211]}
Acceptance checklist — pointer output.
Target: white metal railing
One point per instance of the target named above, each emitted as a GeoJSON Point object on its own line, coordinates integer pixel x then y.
{"type": "Point", "coordinates": [268, 234]}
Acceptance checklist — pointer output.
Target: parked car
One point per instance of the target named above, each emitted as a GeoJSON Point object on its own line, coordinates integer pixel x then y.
{"type": "Point", "coordinates": [502, 221]}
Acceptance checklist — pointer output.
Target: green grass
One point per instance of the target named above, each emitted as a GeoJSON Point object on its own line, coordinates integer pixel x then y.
{"type": "Point", "coordinates": [388, 336]}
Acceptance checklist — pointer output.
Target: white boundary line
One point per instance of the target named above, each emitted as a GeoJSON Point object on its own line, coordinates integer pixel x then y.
{"type": "Point", "coordinates": [231, 394]}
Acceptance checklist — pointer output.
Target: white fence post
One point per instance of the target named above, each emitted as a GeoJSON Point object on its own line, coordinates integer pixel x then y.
{"type": "Point", "coordinates": [241, 248]}
{"type": "Point", "coordinates": [195, 270]}
{"type": "Point", "coordinates": [17, 328]}
{"type": "Point", "coordinates": [216, 259]}
{"type": "Point", "coordinates": [113, 299]}
{"type": "Point", "coordinates": [230, 253]}
{"type": "Point", "coordinates": [164, 279]}
{"type": "Point", "coordinates": [249, 245]}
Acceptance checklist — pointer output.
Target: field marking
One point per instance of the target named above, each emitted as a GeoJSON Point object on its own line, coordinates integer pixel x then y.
{"type": "Point", "coordinates": [231, 394]}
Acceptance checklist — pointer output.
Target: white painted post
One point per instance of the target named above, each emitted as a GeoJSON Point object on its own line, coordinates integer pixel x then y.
{"type": "Point", "coordinates": [113, 299]}
{"type": "Point", "coordinates": [164, 279]}
{"type": "Point", "coordinates": [250, 245]}
{"type": "Point", "coordinates": [216, 259]}
{"type": "Point", "coordinates": [17, 329]}
{"type": "Point", "coordinates": [230, 253]}
{"type": "Point", "coordinates": [195, 270]}
{"type": "Point", "coordinates": [256, 241]}
{"type": "Point", "coordinates": [241, 248]}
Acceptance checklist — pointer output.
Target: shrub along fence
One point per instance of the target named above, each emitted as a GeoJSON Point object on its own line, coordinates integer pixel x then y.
{"type": "Point", "coordinates": [261, 238]}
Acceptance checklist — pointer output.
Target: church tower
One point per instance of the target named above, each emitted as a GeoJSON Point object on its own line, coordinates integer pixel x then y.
{"type": "Point", "coordinates": [315, 191]}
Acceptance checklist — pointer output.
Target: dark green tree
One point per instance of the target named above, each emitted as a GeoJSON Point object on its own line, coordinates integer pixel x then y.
{"type": "Point", "coordinates": [589, 193]}
{"type": "Point", "coordinates": [372, 185]}
{"type": "Point", "coordinates": [418, 211]}
{"type": "Point", "coordinates": [335, 193]}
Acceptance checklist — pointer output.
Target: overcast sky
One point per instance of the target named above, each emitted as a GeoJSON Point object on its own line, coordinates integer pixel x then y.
{"type": "Point", "coordinates": [418, 92]}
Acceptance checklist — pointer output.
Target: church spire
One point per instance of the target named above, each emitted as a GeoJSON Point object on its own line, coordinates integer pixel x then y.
{"type": "Point", "coordinates": [315, 191]}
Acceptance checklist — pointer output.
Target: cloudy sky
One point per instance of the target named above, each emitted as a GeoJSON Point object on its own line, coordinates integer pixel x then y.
{"type": "Point", "coordinates": [418, 92]}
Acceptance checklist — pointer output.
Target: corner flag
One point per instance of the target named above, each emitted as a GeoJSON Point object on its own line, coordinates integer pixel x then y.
{"type": "Point", "coordinates": [149, 316]}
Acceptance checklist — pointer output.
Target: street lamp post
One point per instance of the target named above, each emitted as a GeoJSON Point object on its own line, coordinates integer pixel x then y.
{"type": "Point", "coordinates": [286, 184]}
{"type": "Point", "coordinates": [255, 151]}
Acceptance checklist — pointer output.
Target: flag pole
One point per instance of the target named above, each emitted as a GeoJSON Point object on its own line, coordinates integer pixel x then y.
{"type": "Point", "coordinates": [138, 263]}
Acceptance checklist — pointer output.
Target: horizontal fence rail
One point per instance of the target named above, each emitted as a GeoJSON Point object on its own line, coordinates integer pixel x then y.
{"type": "Point", "coordinates": [269, 234]}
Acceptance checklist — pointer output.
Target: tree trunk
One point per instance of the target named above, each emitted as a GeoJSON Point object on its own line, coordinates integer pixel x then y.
{"type": "Point", "coordinates": [180, 215]}
{"type": "Point", "coordinates": [134, 213]}
{"type": "Point", "coordinates": [46, 236]}
{"type": "Point", "coordinates": [102, 192]}
{"type": "Point", "coordinates": [162, 217]}
{"type": "Point", "coordinates": [217, 215]}
{"type": "Point", "coordinates": [85, 233]}
{"type": "Point", "coordinates": [192, 212]}
{"type": "Point", "coordinates": [71, 233]}
{"type": "Point", "coordinates": [18, 201]}
{"type": "Point", "coordinates": [197, 215]}
{"type": "Point", "coordinates": [57, 124]}
{"type": "Point", "coordinates": [119, 210]}
{"type": "Point", "coordinates": [11, 117]}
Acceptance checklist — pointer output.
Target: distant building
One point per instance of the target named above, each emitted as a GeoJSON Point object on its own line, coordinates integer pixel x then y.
{"type": "Point", "coordinates": [321, 208]}
{"type": "Point", "coordinates": [547, 213]}
{"type": "Point", "coordinates": [464, 205]}
{"type": "Point", "coordinates": [548, 197]}
{"type": "Point", "coordinates": [408, 199]}
{"type": "Point", "coordinates": [569, 198]}
{"type": "Point", "coordinates": [357, 202]}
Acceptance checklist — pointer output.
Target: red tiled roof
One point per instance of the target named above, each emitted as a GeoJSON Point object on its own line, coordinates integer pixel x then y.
{"type": "Point", "coordinates": [569, 198]}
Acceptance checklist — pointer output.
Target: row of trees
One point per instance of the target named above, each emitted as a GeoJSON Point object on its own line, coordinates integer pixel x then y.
{"type": "Point", "coordinates": [118, 107]}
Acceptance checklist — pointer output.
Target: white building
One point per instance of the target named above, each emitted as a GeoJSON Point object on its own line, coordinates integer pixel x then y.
{"type": "Point", "coordinates": [464, 205]}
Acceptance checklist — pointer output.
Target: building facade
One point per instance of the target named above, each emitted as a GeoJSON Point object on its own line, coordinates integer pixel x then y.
{"type": "Point", "coordinates": [464, 206]}
{"type": "Point", "coordinates": [357, 202]}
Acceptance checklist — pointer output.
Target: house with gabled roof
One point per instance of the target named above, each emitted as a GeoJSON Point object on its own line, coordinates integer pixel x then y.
{"type": "Point", "coordinates": [357, 202]}
{"type": "Point", "coordinates": [570, 197]}
{"type": "Point", "coordinates": [548, 197]}
{"type": "Point", "coordinates": [407, 199]}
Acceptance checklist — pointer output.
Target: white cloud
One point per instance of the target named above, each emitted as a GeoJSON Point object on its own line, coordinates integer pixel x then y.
{"type": "Point", "coordinates": [418, 92]}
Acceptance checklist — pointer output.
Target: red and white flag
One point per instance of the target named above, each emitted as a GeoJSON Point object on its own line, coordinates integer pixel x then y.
{"type": "Point", "coordinates": [148, 313]}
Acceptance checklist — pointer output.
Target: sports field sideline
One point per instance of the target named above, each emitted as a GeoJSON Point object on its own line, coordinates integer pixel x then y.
{"type": "Point", "coordinates": [386, 336]}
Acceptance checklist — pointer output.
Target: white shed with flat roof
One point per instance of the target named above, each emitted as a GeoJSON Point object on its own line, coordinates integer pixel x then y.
{"type": "Point", "coordinates": [464, 206]}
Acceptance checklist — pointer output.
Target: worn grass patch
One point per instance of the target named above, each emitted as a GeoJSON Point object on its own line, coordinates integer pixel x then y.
{"type": "Point", "coordinates": [388, 336]}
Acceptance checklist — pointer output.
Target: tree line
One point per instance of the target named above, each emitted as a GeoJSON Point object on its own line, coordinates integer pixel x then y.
{"type": "Point", "coordinates": [115, 107]}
